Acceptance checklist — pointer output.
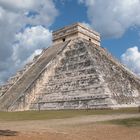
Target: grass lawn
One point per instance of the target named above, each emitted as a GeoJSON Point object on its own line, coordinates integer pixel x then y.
{"type": "Point", "coordinates": [131, 122]}
{"type": "Point", "coordinates": [44, 115]}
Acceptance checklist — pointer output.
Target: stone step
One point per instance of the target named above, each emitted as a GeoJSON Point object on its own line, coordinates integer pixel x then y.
{"type": "Point", "coordinates": [74, 98]}
{"type": "Point", "coordinates": [73, 89]}
{"type": "Point", "coordinates": [74, 73]}
{"type": "Point", "coordinates": [73, 79]}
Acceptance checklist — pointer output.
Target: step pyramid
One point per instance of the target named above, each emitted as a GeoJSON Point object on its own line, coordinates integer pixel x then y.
{"type": "Point", "coordinates": [74, 73]}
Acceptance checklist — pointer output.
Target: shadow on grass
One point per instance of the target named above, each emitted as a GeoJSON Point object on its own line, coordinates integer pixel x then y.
{"type": "Point", "coordinates": [8, 133]}
{"type": "Point", "coordinates": [132, 122]}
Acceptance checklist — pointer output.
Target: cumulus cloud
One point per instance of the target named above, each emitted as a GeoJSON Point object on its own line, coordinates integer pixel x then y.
{"type": "Point", "coordinates": [113, 17]}
{"type": "Point", "coordinates": [29, 43]}
{"type": "Point", "coordinates": [21, 21]}
{"type": "Point", "coordinates": [17, 4]}
{"type": "Point", "coordinates": [131, 58]}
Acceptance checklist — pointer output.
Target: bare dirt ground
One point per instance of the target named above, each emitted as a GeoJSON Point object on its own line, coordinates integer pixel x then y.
{"type": "Point", "coordinates": [78, 128]}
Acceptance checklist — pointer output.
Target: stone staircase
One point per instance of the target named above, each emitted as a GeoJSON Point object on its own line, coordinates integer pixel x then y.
{"type": "Point", "coordinates": [12, 80]}
{"type": "Point", "coordinates": [16, 93]}
{"type": "Point", "coordinates": [74, 73]}
{"type": "Point", "coordinates": [89, 76]}
{"type": "Point", "coordinates": [76, 82]}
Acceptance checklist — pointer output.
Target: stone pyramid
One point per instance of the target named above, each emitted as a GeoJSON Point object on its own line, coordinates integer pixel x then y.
{"type": "Point", "coordinates": [74, 73]}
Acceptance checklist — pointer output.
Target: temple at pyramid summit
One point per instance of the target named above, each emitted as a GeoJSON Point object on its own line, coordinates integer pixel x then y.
{"type": "Point", "coordinates": [75, 72]}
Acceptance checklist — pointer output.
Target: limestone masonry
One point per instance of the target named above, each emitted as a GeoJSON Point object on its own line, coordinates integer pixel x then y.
{"type": "Point", "coordinates": [74, 73]}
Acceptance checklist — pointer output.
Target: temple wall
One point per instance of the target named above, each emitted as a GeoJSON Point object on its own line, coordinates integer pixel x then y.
{"type": "Point", "coordinates": [76, 31]}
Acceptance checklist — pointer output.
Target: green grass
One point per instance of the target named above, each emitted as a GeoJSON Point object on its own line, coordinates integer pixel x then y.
{"type": "Point", "coordinates": [131, 122]}
{"type": "Point", "coordinates": [44, 115]}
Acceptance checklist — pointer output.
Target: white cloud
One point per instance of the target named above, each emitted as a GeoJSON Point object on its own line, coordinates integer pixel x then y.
{"type": "Point", "coordinates": [31, 57]}
{"type": "Point", "coordinates": [113, 17]}
{"type": "Point", "coordinates": [29, 43]}
{"type": "Point", "coordinates": [17, 4]}
{"type": "Point", "coordinates": [15, 17]}
{"type": "Point", "coordinates": [131, 58]}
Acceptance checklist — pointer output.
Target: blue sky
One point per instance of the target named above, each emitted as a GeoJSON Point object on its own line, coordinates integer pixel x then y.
{"type": "Point", "coordinates": [117, 46]}
{"type": "Point", "coordinates": [71, 12]}
{"type": "Point", "coordinates": [26, 28]}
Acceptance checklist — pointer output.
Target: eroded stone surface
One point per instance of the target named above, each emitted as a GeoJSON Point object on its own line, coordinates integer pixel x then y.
{"type": "Point", "coordinates": [75, 73]}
